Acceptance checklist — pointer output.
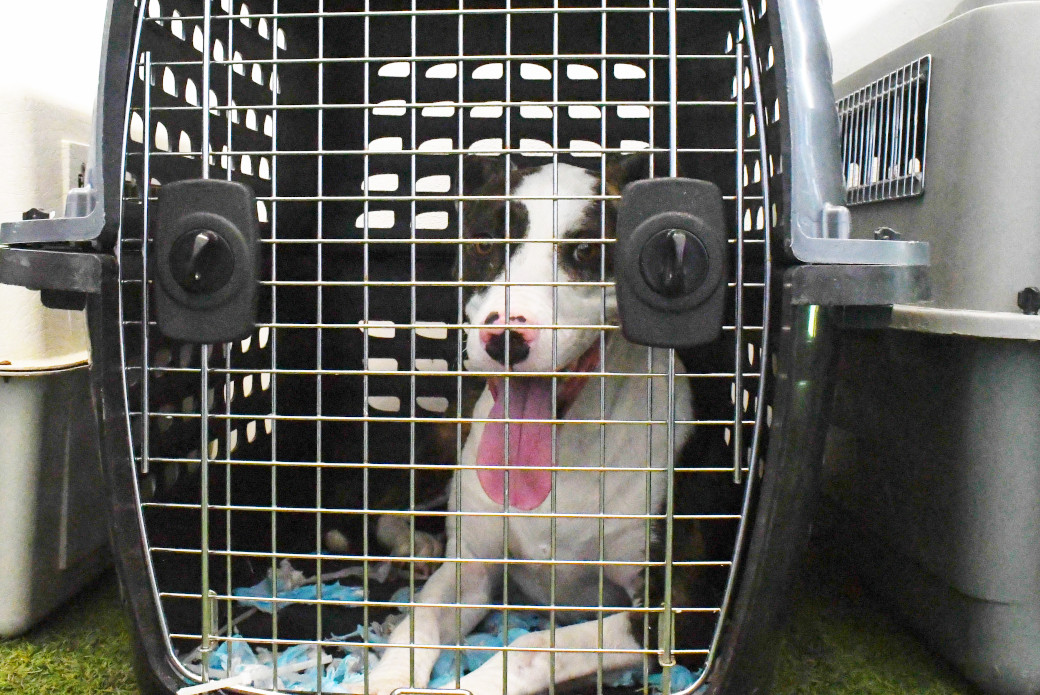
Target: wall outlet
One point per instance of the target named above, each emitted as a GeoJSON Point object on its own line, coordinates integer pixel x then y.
{"type": "Point", "coordinates": [73, 166]}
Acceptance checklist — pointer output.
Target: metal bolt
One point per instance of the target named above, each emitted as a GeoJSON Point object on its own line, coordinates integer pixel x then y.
{"type": "Point", "coordinates": [1029, 300]}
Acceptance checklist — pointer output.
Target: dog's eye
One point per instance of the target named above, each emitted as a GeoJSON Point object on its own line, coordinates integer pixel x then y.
{"type": "Point", "coordinates": [584, 253]}
{"type": "Point", "coordinates": [483, 246]}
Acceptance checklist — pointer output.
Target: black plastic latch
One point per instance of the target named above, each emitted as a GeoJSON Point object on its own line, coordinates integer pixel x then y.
{"type": "Point", "coordinates": [205, 259]}
{"type": "Point", "coordinates": [670, 260]}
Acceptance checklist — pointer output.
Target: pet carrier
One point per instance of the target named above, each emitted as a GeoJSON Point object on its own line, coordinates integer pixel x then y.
{"type": "Point", "coordinates": [933, 457]}
{"type": "Point", "coordinates": [296, 223]}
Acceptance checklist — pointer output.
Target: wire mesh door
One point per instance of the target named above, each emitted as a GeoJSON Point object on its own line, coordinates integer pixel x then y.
{"type": "Point", "coordinates": [437, 361]}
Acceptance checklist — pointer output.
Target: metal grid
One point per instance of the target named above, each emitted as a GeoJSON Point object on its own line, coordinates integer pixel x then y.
{"type": "Point", "coordinates": [884, 133]}
{"type": "Point", "coordinates": [350, 122]}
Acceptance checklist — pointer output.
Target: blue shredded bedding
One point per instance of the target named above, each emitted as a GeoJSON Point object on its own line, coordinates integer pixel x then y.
{"type": "Point", "coordinates": [298, 665]}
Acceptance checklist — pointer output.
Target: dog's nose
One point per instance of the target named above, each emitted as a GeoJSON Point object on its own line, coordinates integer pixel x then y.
{"type": "Point", "coordinates": [497, 335]}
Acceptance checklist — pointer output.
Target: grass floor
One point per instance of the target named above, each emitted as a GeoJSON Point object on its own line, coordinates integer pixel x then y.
{"type": "Point", "coordinates": [839, 643]}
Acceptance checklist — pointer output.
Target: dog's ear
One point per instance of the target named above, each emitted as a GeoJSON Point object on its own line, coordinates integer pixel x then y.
{"type": "Point", "coordinates": [624, 169]}
{"type": "Point", "coordinates": [479, 170]}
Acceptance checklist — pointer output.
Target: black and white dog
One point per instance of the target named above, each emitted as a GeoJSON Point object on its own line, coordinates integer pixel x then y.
{"type": "Point", "coordinates": [546, 329]}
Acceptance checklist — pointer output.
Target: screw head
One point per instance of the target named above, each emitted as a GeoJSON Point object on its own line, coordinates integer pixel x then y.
{"type": "Point", "coordinates": [1029, 300]}
{"type": "Point", "coordinates": [201, 261]}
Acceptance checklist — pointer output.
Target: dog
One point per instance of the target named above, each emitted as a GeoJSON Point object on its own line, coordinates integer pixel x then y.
{"type": "Point", "coordinates": [535, 319]}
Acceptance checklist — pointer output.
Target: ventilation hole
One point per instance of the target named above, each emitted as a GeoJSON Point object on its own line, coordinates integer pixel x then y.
{"type": "Point", "coordinates": [387, 404]}
{"type": "Point", "coordinates": [136, 127]}
{"type": "Point", "coordinates": [488, 71]}
{"type": "Point", "coordinates": [769, 416]}
{"type": "Point", "coordinates": [746, 399]}
{"type": "Point", "coordinates": [740, 32]}
{"type": "Point", "coordinates": [251, 431]}
{"type": "Point", "coordinates": [773, 216]}
{"type": "Point", "coordinates": [268, 425]}
{"type": "Point", "coordinates": [261, 28]}
{"type": "Point", "coordinates": [492, 110]}
{"type": "Point", "coordinates": [633, 145]}
{"type": "Point", "coordinates": [379, 329]}
{"type": "Point", "coordinates": [441, 183]}
{"type": "Point", "coordinates": [269, 126]}
{"type": "Point", "coordinates": [535, 112]}
{"type": "Point", "coordinates": [751, 354]}
{"type": "Point", "coordinates": [198, 41]}
{"type": "Point", "coordinates": [747, 77]}
{"type": "Point", "coordinates": [390, 107]}
{"type": "Point", "coordinates": [442, 71]}
{"type": "Point", "coordinates": [281, 39]}
{"type": "Point", "coordinates": [251, 119]}
{"type": "Point", "coordinates": [184, 144]}
{"type": "Point", "coordinates": [583, 111]}
{"type": "Point", "coordinates": [733, 88]}
{"type": "Point", "coordinates": [434, 404]}
{"type": "Point", "coordinates": [760, 219]}
{"type": "Point", "coordinates": [176, 25]}
{"type": "Point", "coordinates": [387, 144]}
{"type": "Point", "coordinates": [533, 71]}
{"type": "Point", "coordinates": [757, 176]}
{"type": "Point", "coordinates": [439, 111]}
{"type": "Point", "coordinates": [232, 442]}
{"type": "Point", "coordinates": [140, 71]}
{"type": "Point", "coordinates": [535, 148]}
{"type": "Point", "coordinates": [274, 85]}
{"type": "Point", "coordinates": [435, 330]}
{"type": "Point", "coordinates": [247, 165]}
{"type": "Point", "coordinates": [381, 364]}
{"type": "Point", "coordinates": [265, 381]}
{"type": "Point", "coordinates": [776, 110]}
{"type": "Point", "coordinates": [261, 212]}
{"type": "Point", "coordinates": [432, 220]}
{"type": "Point", "coordinates": [729, 42]}
{"type": "Point", "coordinates": [727, 435]}
{"type": "Point", "coordinates": [233, 112]}
{"type": "Point", "coordinates": [431, 365]}
{"type": "Point", "coordinates": [437, 146]}
{"type": "Point", "coordinates": [236, 63]}
{"type": "Point", "coordinates": [245, 18]}
{"type": "Point", "coordinates": [169, 82]}
{"type": "Point", "coordinates": [585, 148]}
{"type": "Point", "coordinates": [577, 71]}
{"type": "Point", "coordinates": [399, 69]}
{"type": "Point", "coordinates": [487, 145]}
{"type": "Point", "coordinates": [762, 9]}
{"type": "Point", "coordinates": [218, 50]}
{"type": "Point", "coordinates": [627, 71]}
{"type": "Point", "coordinates": [247, 385]}
{"type": "Point", "coordinates": [225, 161]}
{"type": "Point", "coordinates": [265, 169]}
{"type": "Point", "coordinates": [214, 102]}
{"type": "Point", "coordinates": [248, 340]}
{"type": "Point", "coordinates": [162, 358]}
{"type": "Point", "coordinates": [191, 92]}
{"type": "Point", "coordinates": [752, 127]}
{"type": "Point", "coordinates": [264, 334]}
{"type": "Point", "coordinates": [225, 5]}
{"type": "Point", "coordinates": [162, 138]}
{"type": "Point", "coordinates": [188, 404]}
{"type": "Point", "coordinates": [633, 111]}
{"type": "Point", "coordinates": [380, 182]}
{"type": "Point", "coordinates": [166, 422]}
{"type": "Point", "coordinates": [377, 219]}
{"type": "Point", "coordinates": [154, 9]}
{"type": "Point", "coordinates": [732, 393]}
{"type": "Point", "coordinates": [769, 58]}
{"type": "Point", "coordinates": [258, 74]}
{"type": "Point", "coordinates": [214, 448]}
{"type": "Point", "coordinates": [745, 177]}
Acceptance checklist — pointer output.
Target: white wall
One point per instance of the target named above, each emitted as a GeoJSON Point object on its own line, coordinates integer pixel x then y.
{"type": "Point", "coordinates": [49, 52]}
{"type": "Point", "coordinates": [861, 31]}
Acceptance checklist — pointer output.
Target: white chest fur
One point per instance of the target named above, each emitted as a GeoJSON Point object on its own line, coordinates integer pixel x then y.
{"type": "Point", "coordinates": [609, 481]}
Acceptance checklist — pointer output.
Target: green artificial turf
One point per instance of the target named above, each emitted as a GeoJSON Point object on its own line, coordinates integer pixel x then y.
{"type": "Point", "coordinates": [839, 643]}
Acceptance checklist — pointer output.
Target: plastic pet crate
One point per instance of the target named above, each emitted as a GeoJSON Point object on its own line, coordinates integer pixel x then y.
{"type": "Point", "coordinates": [276, 469]}
{"type": "Point", "coordinates": [933, 459]}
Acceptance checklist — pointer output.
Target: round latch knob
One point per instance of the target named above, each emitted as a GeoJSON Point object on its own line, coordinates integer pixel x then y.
{"type": "Point", "coordinates": [201, 261]}
{"type": "Point", "coordinates": [674, 262]}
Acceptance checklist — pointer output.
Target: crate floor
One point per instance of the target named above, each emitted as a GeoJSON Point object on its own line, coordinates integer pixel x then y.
{"type": "Point", "coordinates": [839, 643]}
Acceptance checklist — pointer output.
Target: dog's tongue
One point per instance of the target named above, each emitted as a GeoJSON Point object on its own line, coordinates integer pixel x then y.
{"type": "Point", "coordinates": [530, 444]}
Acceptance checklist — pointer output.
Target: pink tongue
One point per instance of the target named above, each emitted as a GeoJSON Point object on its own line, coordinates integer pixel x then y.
{"type": "Point", "coordinates": [530, 444]}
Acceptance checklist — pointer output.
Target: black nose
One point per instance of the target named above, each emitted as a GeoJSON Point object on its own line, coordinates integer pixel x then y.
{"type": "Point", "coordinates": [518, 348]}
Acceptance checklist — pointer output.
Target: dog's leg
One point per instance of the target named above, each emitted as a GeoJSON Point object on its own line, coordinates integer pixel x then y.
{"type": "Point", "coordinates": [432, 625]}
{"type": "Point", "coordinates": [529, 671]}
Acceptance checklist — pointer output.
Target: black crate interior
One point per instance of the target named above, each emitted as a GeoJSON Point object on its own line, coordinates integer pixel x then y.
{"type": "Point", "coordinates": [288, 430]}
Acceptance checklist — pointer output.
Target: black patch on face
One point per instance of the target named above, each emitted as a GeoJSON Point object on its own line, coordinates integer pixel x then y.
{"type": "Point", "coordinates": [484, 228]}
{"type": "Point", "coordinates": [587, 252]}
